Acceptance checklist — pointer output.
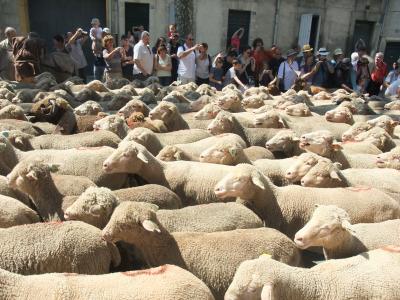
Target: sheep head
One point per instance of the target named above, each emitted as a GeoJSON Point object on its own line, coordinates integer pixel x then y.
{"type": "Point", "coordinates": [303, 163]}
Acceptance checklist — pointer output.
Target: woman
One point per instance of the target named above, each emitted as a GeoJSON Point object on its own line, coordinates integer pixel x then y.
{"type": "Point", "coordinates": [232, 76]}
{"type": "Point", "coordinates": [127, 62]}
{"type": "Point", "coordinates": [248, 67]}
{"type": "Point", "coordinates": [266, 76]}
{"type": "Point", "coordinates": [163, 66]}
{"type": "Point", "coordinates": [260, 56]}
{"type": "Point", "coordinates": [288, 71]}
{"type": "Point", "coordinates": [363, 74]}
{"type": "Point", "coordinates": [203, 65]}
{"type": "Point", "coordinates": [113, 58]}
{"type": "Point", "coordinates": [235, 39]}
{"type": "Point", "coordinates": [160, 41]}
{"type": "Point", "coordinates": [131, 38]}
{"type": "Point", "coordinates": [74, 47]}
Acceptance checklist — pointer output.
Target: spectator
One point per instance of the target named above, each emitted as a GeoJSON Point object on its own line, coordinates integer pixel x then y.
{"type": "Point", "coordinates": [217, 74]}
{"type": "Point", "coordinates": [394, 74]}
{"type": "Point", "coordinates": [172, 48]}
{"type": "Point", "coordinates": [160, 41]}
{"type": "Point", "coordinates": [143, 58]}
{"type": "Point", "coordinates": [344, 78]}
{"type": "Point", "coordinates": [235, 39]}
{"type": "Point", "coordinates": [203, 65]}
{"type": "Point", "coordinates": [259, 55]}
{"type": "Point", "coordinates": [288, 71]}
{"type": "Point", "coordinates": [74, 47]}
{"type": "Point", "coordinates": [227, 62]}
{"type": "Point", "coordinates": [28, 52]}
{"type": "Point", "coordinates": [106, 31]}
{"type": "Point", "coordinates": [96, 35]}
{"type": "Point", "coordinates": [7, 70]}
{"type": "Point", "coordinates": [59, 43]}
{"type": "Point", "coordinates": [137, 32]}
{"type": "Point", "coordinates": [266, 76]}
{"type": "Point", "coordinates": [363, 74]}
{"type": "Point", "coordinates": [99, 64]}
{"type": "Point", "coordinates": [354, 60]}
{"type": "Point", "coordinates": [307, 62]}
{"type": "Point", "coordinates": [131, 39]}
{"type": "Point", "coordinates": [378, 75]}
{"type": "Point", "coordinates": [323, 72]}
{"type": "Point", "coordinates": [248, 67]}
{"type": "Point", "coordinates": [337, 56]}
{"type": "Point", "coordinates": [276, 60]}
{"type": "Point", "coordinates": [163, 66]}
{"type": "Point", "coordinates": [187, 60]}
{"type": "Point", "coordinates": [171, 31]}
{"type": "Point", "coordinates": [393, 89]}
{"type": "Point", "coordinates": [232, 76]}
{"type": "Point", "coordinates": [127, 62]}
{"type": "Point", "coordinates": [113, 58]}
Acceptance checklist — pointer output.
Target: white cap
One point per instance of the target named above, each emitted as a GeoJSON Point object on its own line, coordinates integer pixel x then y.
{"type": "Point", "coordinates": [107, 30]}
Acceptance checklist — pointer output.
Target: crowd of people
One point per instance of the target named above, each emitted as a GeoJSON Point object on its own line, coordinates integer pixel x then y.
{"type": "Point", "coordinates": [175, 58]}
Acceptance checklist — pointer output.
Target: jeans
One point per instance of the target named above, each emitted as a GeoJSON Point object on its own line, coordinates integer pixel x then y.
{"type": "Point", "coordinates": [200, 81]}
{"type": "Point", "coordinates": [98, 72]}
{"type": "Point", "coordinates": [165, 80]}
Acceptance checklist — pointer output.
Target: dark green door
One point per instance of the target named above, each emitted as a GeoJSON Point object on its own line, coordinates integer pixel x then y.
{"type": "Point", "coordinates": [392, 53]}
{"type": "Point", "coordinates": [136, 14]}
{"type": "Point", "coordinates": [237, 19]}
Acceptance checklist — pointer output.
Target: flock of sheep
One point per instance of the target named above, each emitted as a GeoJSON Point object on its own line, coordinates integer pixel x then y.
{"type": "Point", "coordinates": [130, 190]}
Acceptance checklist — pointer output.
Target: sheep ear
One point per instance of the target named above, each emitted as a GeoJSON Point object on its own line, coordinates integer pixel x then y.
{"type": "Point", "coordinates": [255, 178]}
{"type": "Point", "coordinates": [267, 292]}
{"type": "Point", "coordinates": [394, 123]}
{"type": "Point", "coordinates": [31, 175]}
{"type": "Point", "coordinates": [316, 205]}
{"type": "Point", "coordinates": [150, 226]}
{"type": "Point", "coordinates": [347, 225]}
{"type": "Point", "coordinates": [334, 175]}
{"type": "Point", "coordinates": [142, 157]}
{"type": "Point", "coordinates": [95, 210]}
{"type": "Point", "coordinates": [336, 147]}
{"type": "Point", "coordinates": [232, 152]}
{"type": "Point", "coordinates": [177, 156]}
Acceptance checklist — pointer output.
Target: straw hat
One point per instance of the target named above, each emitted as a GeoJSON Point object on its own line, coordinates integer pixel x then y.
{"type": "Point", "coordinates": [307, 48]}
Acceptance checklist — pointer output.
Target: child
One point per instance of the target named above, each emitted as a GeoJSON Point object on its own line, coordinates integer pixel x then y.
{"type": "Point", "coordinates": [96, 35]}
{"type": "Point", "coordinates": [265, 76]}
{"type": "Point", "coordinates": [172, 30]}
{"type": "Point", "coordinates": [216, 74]}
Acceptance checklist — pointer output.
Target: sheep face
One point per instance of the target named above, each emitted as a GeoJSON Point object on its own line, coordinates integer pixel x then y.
{"type": "Point", "coordinates": [301, 166]}
{"type": "Point", "coordinates": [12, 112]}
{"type": "Point", "coordinates": [269, 119]}
{"type": "Point", "coordinates": [376, 136]}
{"type": "Point", "coordinates": [228, 101]}
{"type": "Point", "coordinates": [131, 107]}
{"type": "Point", "coordinates": [355, 130]}
{"type": "Point", "coordinates": [282, 141]}
{"type": "Point", "coordinates": [6, 94]}
{"type": "Point", "coordinates": [170, 153]}
{"type": "Point", "coordinates": [111, 123]}
{"type": "Point", "coordinates": [131, 222]}
{"type": "Point", "coordinates": [94, 207]}
{"type": "Point", "coordinates": [223, 123]}
{"type": "Point", "coordinates": [208, 112]}
{"type": "Point", "coordinates": [88, 108]}
{"type": "Point", "coordinates": [389, 159]}
{"type": "Point", "coordinates": [298, 110]}
{"type": "Point", "coordinates": [139, 135]}
{"type": "Point", "coordinates": [165, 112]}
{"type": "Point", "coordinates": [20, 140]}
{"type": "Point", "coordinates": [339, 115]}
{"type": "Point", "coordinates": [384, 122]}
{"type": "Point", "coordinates": [323, 95]}
{"type": "Point", "coordinates": [324, 175]}
{"type": "Point", "coordinates": [127, 158]}
{"type": "Point", "coordinates": [200, 103]}
{"type": "Point", "coordinates": [326, 222]}
{"type": "Point", "coordinates": [221, 154]}
{"type": "Point", "coordinates": [320, 142]}
{"type": "Point", "coordinates": [252, 102]}
{"type": "Point", "coordinates": [394, 105]}
{"type": "Point", "coordinates": [242, 183]}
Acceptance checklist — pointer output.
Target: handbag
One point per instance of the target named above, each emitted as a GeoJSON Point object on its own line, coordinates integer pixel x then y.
{"type": "Point", "coordinates": [282, 81]}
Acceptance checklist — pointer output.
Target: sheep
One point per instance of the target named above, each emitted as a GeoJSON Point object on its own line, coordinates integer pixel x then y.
{"type": "Point", "coordinates": [285, 141]}
{"type": "Point", "coordinates": [12, 112]}
{"type": "Point", "coordinates": [330, 228]}
{"type": "Point", "coordinates": [4, 102]}
{"type": "Point", "coordinates": [27, 142]}
{"type": "Point", "coordinates": [205, 89]}
{"type": "Point", "coordinates": [154, 142]}
{"type": "Point", "coordinates": [232, 154]}
{"type": "Point", "coordinates": [24, 126]}
{"type": "Point", "coordinates": [192, 151]}
{"type": "Point", "coordinates": [164, 282]}
{"type": "Point", "coordinates": [208, 112]}
{"type": "Point", "coordinates": [366, 276]}
{"type": "Point", "coordinates": [378, 137]}
{"type": "Point", "coordinates": [25, 95]}
{"type": "Point", "coordinates": [191, 181]}
{"type": "Point", "coordinates": [354, 130]}
{"type": "Point", "coordinates": [137, 119]}
{"type": "Point", "coordinates": [226, 122]}
{"type": "Point", "coordinates": [119, 100]}
{"type": "Point", "coordinates": [298, 110]}
{"type": "Point", "coordinates": [6, 94]}
{"type": "Point", "coordinates": [299, 166]}
{"type": "Point", "coordinates": [231, 101]}
{"type": "Point", "coordinates": [340, 114]}
{"type": "Point", "coordinates": [322, 143]}
{"type": "Point", "coordinates": [268, 119]}
{"type": "Point", "coordinates": [168, 113]}
{"type": "Point", "coordinates": [6, 190]}
{"type": "Point", "coordinates": [36, 180]}
{"type": "Point", "coordinates": [279, 206]}
{"type": "Point", "coordinates": [134, 105]}
{"type": "Point", "coordinates": [384, 122]}
{"type": "Point", "coordinates": [394, 105]}
{"type": "Point", "coordinates": [254, 101]}
{"type": "Point", "coordinates": [73, 247]}
{"type": "Point", "coordinates": [88, 108]}
{"type": "Point", "coordinates": [13, 213]}
{"type": "Point", "coordinates": [96, 204]}
{"type": "Point", "coordinates": [389, 159]}
{"type": "Point", "coordinates": [211, 217]}
{"type": "Point", "coordinates": [85, 123]}
{"type": "Point", "coordinates": [198, 104]}
{"type": "Point", "coordinates": [219, 252]}
{"type": "Point", "coordinates": [176, 97]}
{"type": "Point", "coordinates": [114, 123]}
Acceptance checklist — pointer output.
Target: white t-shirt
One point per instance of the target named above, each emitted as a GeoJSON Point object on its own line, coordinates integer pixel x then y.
{"type": "Point", "coordinates": [76, 53]}
{"type": "Point", "coordinates": [187, 65]}
{"type": "Point", "coordinates": [392, 88]}
{"type": "Point", "coordinates": [290, 74]}
{"type": "Point", "coordinates": [144, 54]}
{"type": "Point", "coordinates": [202, 70]}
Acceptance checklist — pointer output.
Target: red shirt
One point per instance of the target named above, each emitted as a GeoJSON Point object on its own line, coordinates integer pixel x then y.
{"type": "Point", "coordinates": [379, 73]}
{"type": "Point", "coordinates": [259, 57]}
{"type": "Point", "coordinates": [235, 42]}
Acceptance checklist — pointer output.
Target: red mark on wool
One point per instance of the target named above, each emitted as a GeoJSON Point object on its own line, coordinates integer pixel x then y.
{"type": "Point", "coordinates": [392, 248]}
{"type": "Point", "coordinates": [152, 271]}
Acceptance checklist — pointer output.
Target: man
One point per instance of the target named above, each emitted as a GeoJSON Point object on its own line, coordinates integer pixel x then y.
{"type": "Point", "coordinates": [143, 58]}
{"type": "Point", "coordinates": [345, 76]}
{"type": "Point", "coordinates": [74, 47]}
{"type": "Point", "coordinates": [337, 57]}
{"type": "Point", "coordinates": [276, 60]}
{"type": "Point", "coordinates": [6, 56]}
{"type": "Point", "coordinates": [172, 48]}
{"type": "Point", "coordinates": [394, 74]}
{"type": "Point", "coordinates": [128, 62]}
{"type": "Point", "coordinates": [187, 60]}
{"type": "Point", "coordinates": [288, 71]}
{"type": "Point", "coordinates": [323, 71]}
{"type": "Point", "coordinates": [378, 75]}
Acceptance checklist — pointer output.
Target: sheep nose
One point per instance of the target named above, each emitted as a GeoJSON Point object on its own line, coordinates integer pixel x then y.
{"type": "Point", "coordinates": [298, 238]}
{"type": "Point", "coordinates": [267, 146]}
{"type": "Point", "coordinates": [288, 173]}
{"type": "Point", "coordinates": [202, 156]}
{"type": "Point", "coordinates": [66, 216]}
{"type": "Point", "coordinates": [302, 182]}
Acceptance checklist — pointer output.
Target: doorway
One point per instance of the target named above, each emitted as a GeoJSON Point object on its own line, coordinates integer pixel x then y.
{"type": "Point", "coordinates": [392, 53]}
{"type": "Point", "coordinates": [236, 20]}
{"type": "Point", "coordinates": [136, 14]}
{"type": "Point", "coordinates": [309, 30]}
{"type": "Point", "coordinates": [363, 30]}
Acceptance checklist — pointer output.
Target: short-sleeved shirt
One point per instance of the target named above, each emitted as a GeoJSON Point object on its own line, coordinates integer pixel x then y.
{"type": "Point", "coordinates": [202, 67]}
{"type": "Point", "coordinates": [393, 87]}
{"type": "Point", "coordinates": [217, 75]}
{"type": "Point", "coordinates": [230, 75]}
{"type": "Point", "coordinates": [392, 76]}
{"type": "Point", "coordinates": [113, 65]}
{"type": "Point", "coordinates": [187, 64]}
{"type": "Point", "coordinates": [290, 75]}
{"type": "Point", "coordinates": [143, 53]}
{"type": "Point", "coordinates": [164, 63]}
{"type": "Point", "coordinates": [76, 53]}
